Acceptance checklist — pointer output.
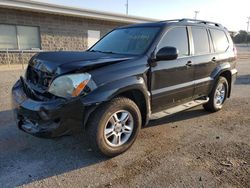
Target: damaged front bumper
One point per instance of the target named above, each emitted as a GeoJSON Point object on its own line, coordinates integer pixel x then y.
{"type": "Point", "coordinates": [49, 118]}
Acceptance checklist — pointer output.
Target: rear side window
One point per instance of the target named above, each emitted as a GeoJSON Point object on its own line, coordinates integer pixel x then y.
{"type": "Point", "coordinates": [201, 41]}
{"type": "Point", "coordinates": [220, 40]}
{"type": "Point", "coordinates": [178, 38]}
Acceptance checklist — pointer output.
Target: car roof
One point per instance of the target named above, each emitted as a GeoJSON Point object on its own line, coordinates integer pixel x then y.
{"type": "Point", "coordinates": [179, 22]}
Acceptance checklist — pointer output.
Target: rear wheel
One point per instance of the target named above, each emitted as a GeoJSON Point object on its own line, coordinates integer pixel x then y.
{"type": "Point", "coordinates": [114, 126]}
{"type": "Point", "coordinates": [218, 96]}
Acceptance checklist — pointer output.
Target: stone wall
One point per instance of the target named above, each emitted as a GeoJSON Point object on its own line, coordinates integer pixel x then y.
{"type": "Point", "coordinates": [56, 32]}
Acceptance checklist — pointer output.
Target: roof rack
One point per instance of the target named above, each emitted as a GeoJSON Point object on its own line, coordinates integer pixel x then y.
{"type": "Point", "coordinates": [187, 20]}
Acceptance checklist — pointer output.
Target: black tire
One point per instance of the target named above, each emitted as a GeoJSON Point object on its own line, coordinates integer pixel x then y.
{"type": "Point", "coordinates": [100, 117]}
{"type": "Point", "coordinates": [211, 105]}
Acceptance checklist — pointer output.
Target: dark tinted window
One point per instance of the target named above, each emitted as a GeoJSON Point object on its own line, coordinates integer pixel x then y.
{"type": "Point", "coordinates": [127, 40]}
{"type": "Point", "coordinates": [220, 40]}
{"type": "Point", "coordinates": [201, 42]}
{"type": "Point", "coordinates": [176, 37]}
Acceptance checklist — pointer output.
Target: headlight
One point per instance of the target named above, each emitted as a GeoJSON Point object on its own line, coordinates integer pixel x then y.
{"type": "Point", "coordinates": [70, 85]}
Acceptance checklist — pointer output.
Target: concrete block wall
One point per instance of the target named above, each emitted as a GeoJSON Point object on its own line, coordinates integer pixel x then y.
{"type": "Point", "coordinates": [56, 32]}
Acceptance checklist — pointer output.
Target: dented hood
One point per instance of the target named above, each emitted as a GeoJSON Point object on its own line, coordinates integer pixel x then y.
{"type": "Point", "coordinates": [64, 62]}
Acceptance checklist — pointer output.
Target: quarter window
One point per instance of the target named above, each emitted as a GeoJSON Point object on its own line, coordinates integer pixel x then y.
{"type": "Point", "coordinates": [220, 40]}
{"type": "Point", "coordinates": [201, 41]}
{"type": "Point", "coordinates": [178, 38]}
{"type": "Point", "coordinates": [14, 37]}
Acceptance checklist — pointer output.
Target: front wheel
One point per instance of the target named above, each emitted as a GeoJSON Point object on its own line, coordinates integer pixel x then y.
{"type": "Point", "coordinates": [114, 126]}
{"type": "Point", "coordinates": [218, 96]}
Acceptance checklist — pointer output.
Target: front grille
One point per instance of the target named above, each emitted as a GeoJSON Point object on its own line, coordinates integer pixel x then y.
{"type": "Point", "coordinates": [27, 90]}
{"type": "Point", "coordinates": [38, 78]}
{"type": "Point", "coordinates": [36, 84]}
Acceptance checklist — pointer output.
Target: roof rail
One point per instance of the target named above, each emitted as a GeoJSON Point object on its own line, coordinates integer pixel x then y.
{"type": "Point", "coordinates": [187, 20]}
{"type": "Point", "coordinates": [200, 21]}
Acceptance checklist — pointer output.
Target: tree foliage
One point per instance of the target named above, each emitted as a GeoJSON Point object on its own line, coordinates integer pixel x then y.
{"type": "Point", "coordinates": [241, 37]}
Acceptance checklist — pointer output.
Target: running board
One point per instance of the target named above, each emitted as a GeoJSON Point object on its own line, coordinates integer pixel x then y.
{"type": "Point", "coordinates": [179, 108]}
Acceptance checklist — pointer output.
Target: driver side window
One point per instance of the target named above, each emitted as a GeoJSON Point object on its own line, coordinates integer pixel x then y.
{"type": "Point", "coordinates": [176, 37]}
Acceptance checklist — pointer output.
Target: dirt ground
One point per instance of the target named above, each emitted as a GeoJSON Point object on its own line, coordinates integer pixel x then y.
{"type": "Point", "coordinates": [191, 149]}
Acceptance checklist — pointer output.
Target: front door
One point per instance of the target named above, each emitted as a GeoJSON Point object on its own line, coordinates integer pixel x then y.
{"type": "Point", "coordinates": [172, 82]}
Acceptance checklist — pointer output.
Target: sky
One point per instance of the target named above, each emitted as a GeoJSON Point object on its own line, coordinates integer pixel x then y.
{"type": "Point", "coordinates": [230, 13]}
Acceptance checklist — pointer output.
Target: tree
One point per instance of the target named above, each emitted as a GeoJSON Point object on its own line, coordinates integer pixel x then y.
{"type": "Point", "coordinates": [241, 37]}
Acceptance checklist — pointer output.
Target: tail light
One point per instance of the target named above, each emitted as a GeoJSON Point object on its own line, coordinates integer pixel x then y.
{"type": "Point", "coordinates": [235, 51]}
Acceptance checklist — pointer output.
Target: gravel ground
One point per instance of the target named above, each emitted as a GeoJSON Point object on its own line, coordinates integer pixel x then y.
{"type": "Point", "coordinates": [191, 149]}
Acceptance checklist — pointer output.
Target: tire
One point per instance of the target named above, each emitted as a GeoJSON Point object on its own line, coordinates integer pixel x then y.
{"type": "Point", "coordinates": [103, 123]}
{"type": "Point", "coordinates": [215, 104]}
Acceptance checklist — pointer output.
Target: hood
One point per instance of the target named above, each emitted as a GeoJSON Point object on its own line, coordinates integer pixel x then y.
{"type": "Point", "coordinates": [64, 62]}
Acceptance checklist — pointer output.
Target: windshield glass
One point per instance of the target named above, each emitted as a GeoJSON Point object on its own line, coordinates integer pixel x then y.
{"type": "Point", "coordinates": [133, 41]}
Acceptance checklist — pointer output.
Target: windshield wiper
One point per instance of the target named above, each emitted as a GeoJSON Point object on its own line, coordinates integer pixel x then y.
{"type": "Point", "coordinates": [110, 52]}
{"type": "Point", "coordinates": [96, 51]}
{"type": "Point", "coordinates": [102, 51]}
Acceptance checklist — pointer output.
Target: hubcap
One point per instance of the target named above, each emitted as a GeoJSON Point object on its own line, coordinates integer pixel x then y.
{"type": "Point", "coordinates": [220, 93]}
{"type": "Point", "coordinates": [119, 128]}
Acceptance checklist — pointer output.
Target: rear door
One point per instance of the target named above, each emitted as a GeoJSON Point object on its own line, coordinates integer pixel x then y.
{"type": "Point", "coordinates": [172, 81]}
{"type": "Point", "coordinates": [204, 60]}
{"type": "Point", "coordinates": [223, 46]}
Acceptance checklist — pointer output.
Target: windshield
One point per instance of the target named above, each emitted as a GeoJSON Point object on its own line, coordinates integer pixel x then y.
{"type": "Point", "coordinates": [133, 41]}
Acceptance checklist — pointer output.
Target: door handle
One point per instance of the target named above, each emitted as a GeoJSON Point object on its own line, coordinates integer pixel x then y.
{"type": "Point", "coordinates": [189, 64]}
{"type": "Point", "coordinates": [214, 59]}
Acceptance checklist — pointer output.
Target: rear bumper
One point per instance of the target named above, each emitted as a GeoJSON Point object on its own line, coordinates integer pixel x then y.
{"type": "Point", "coordinates": [234, 73]}
{"type": "Point", "coordinates": [46, 118]}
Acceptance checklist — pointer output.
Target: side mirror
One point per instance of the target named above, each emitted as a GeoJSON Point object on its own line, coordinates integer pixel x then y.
{"type": "Point", "coordinates": [167, 53]}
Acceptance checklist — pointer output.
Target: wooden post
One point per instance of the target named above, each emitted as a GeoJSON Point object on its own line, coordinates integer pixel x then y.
{"type": "Point", "coordinates": [22, 60]}
{"type": "Point", "coordinates": [8, 60]}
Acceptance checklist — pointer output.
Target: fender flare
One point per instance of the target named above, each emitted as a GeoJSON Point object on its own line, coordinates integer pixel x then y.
{"type": "Point", "coordinates": [108, 91]}
{"type": "Point", "coordinates": [221, 69]}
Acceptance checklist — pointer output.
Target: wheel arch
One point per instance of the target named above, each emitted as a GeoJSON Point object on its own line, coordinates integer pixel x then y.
{"type": "Point", "coordinates": [228, 75]}
{"type": "Point", "coordinates": [133, 88]}
{"type": "Point", "coordinates": [224, 70]}
{"type": "Point", "coordinates": [140, 100]}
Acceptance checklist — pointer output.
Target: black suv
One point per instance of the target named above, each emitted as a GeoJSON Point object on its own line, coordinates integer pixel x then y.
{"type": "Point", "coordinates": [133, 74]}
